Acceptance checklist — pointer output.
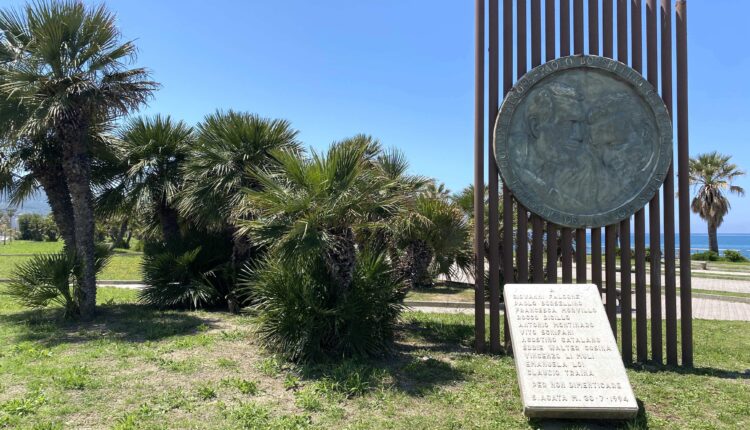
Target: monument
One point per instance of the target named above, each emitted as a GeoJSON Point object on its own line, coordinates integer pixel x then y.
{"type": "Point", "coordinates": [583, 141]}
{"type": "Point", "coordinates": [566, 356]}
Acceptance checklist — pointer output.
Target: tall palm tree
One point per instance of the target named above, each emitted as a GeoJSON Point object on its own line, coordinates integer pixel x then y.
{"type": "Point", "coordinates": [712, 174]}
{"type": "Point", "coordinates": [308, 209]}
{"type": "Point", "coordinates": [64, 63]}
{"type": "Point", "coordinates": [228, 146]}
{"type": "Point", "coordinates": [152, 153]}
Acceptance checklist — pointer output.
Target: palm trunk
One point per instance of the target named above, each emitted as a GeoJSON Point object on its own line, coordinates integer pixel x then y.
{"type": "Point", "coordinates": [169, 225]}
{"type": "Point", "coordinates": [416, 263]}
{"type": "Point", "coordinates": [77, 168]}
{"type": "Point", "coordinates": [52, 179]}
{"type": "Point", "coordinates": [341, 259]}
{"type": "Point", "coordinates": [713, 240]}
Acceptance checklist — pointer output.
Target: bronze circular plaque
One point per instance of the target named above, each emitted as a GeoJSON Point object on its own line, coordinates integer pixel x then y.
{"type": "Point", "coordinates": [583, 141]}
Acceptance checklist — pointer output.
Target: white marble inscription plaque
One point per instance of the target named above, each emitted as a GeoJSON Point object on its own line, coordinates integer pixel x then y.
{"type": "Point", "coordinates": [566, 356]}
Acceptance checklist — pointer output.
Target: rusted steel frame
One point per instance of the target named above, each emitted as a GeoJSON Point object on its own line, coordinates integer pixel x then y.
{"type": "Point", "coordinates": [683, 156]}
{"type": "Point", "coordinates": [551, 253]}
{"type": "Point", "coordinates": [625, 286]}
{"type": "Point", "coordinates": [479, 177]}
{"type": "Point", "coordinates": [581, 256]}
{"type": "Point", "coordinates": [564, 28]}
{"type": "Point", "coordinates": [611, 278]}
{"type": "Point", "coordinates": [507, 200]}
{"type": "Point", "coordinates": [507, 250]}
{"type": "Point", "coordinates": [594, 27]}
{"type": "Point", "coordinates": [670, 283]}
{"type": "Point", "coordinates": [641, 321]}
{"type": "Point", "coordinates": [537, 225]}
{"type": "Point", "coordinates": [596, 258]}
{"type": "Point", "coordinates": [522, 253]}
{"type": "Point", "coordinates": [610, 231]}
{"type": "Point", "coordinates": [567, 255]}
{"type": "Point", "coordinates": [641, 318]}
{"type": "Point", "coordinates": [580, 233]}
{"type": "Point", "coordinates": [654, 210]}
{"type": "Point", "coordinates": [537, 248]}
{"type": "Point", "coordinates": [549, 30]}
{"type": "Point", "coordinates": [626, 308]}
{"type": "Point", "coordinates": [596, 233]}
{"type": "Point", "coordinates": [607, 29]}
{"type": "Point", "coordinates": [578, 26]}
{"type": "Point", "coordinates": [493, 218]}
{"type": "Point", "coordinates": [536, 33]}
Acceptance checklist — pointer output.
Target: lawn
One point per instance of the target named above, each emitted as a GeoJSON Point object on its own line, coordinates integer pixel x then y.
{"type": "Point", "coordinates": [135, 367]}
{"type": "Point", "coordinates": [124, 265]}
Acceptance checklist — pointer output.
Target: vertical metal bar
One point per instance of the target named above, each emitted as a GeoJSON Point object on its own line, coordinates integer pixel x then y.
{"type": "Point", "coordinates": [626, 321]}
{"type": "Point", "coordinates": [581, 256]}
{"type": "Point", "coordinates": [607, 28]}
{"type": "Point", "coordinates": [493, 217]}
{"type": "Point", "coordinates": [670, 283]}
{"type": "Point", "coordinates": [564, 28]}
{"type": "Point", "coordinates": [594, 27]}
{"type": "Point", "coordinates": [641, 318]}
{"type": "Point", "coordinates": [537, 248]}
{"type": "Point", "coordinates": [596, 258]}
{"type": "Point", "coordinates": [479, 178]}
{"type": "Point", "coordinates": [683, 156]}
{"type": "Point", "coordinates": [522, 254]}
{"type": "Point", "coordinates": [549, 30]}
{"type": "Point", "coordinates": [640, 216]}
{"type": "Point", "coordinates": [536, 221]}
{"type": "Point", "coordinates": [596, 233]}
{"type": "Point", "coordinates": [578, 27]}
{"type": "Point", "coordinates": [654, 210]}
{"type": "Point", "coordinates": [507, 200]}
{"type": "Point", "coordinates": [550, 35]}
{"type": "Point", "coordinates": [536, 33]}
{"type": "Point", "coordinates": [551, 253]}
{"type": "Point", "coordinates": [507, 249]}
{"type": "Point", "coordinates": [609, 245]}
{"type": "Point", "coordinates": [625, 293]}
{"type": "Point", "coordinates": [611, 230]}
{"type": "Point", "coordinates": [567, 257]}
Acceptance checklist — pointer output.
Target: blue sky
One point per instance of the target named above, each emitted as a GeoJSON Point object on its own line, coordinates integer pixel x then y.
{"type": "Point", "coordinates": [401, 70]}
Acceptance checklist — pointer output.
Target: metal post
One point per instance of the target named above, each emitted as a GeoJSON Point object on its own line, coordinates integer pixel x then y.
{"type": "Point", "coordinates": [683, 156]}
{"type": "Point", "coordinates": [479, 178]}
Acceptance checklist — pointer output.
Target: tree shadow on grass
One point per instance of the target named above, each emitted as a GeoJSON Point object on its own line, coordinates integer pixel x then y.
{"type": "Point", "coordinates": [697, 371]}
{"type": "Point", "coordinates": [123, 322]}
{"type": "Point", "coordinates": [435, 335]}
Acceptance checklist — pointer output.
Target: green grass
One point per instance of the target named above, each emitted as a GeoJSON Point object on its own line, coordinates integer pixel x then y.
{"type": "Point", "coordinates": [31, 247]}
{"type": "Point", "coordinates": [136, 367]}
{"type": "Point", "coordinates": [121, 266]}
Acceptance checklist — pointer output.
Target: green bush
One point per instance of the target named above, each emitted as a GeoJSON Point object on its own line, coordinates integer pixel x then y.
{"type": "Point", "coordinates": [705, 256]}
{"type": "Point", "coordinates": [303, 315]}
{"type": "Point", "coordinates": [52, 279]}
{"type": "Point", "coordinates": [734, 256]}
{"type": "Point", "coordinates": [37, 228]}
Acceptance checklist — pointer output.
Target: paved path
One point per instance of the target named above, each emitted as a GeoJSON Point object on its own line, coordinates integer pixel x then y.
{"type": "Point", "coordinates": [702, 309]}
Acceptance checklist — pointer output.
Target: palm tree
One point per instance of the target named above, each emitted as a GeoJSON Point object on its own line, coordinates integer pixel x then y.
{"type": "Point", "coordinates": [712, 174]}
{"type": "Point", "coordinates": [64, 63]}
{"type": "Point", "coordinates": [152, 153]}
{"type": "Point", "coordinates": [228, 146]}
{"type": "Point", "coordinates": [308, 209]}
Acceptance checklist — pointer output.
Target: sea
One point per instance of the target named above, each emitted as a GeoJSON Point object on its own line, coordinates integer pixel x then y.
{"type": "Point", "coordinates": [698, 242]}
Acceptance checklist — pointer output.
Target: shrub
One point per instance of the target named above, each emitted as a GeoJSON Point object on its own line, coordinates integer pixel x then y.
{"type": "Point", "coordinates": [37, 228]}
{"type": "Point", "coordinates": [178, 280]}
{"type": "Point", "coordinates": [302, 315]}
{"type": "Point", "coordinates": [734, 256]}
{"type": "Point", "coordinates": [52, 279]}
{"type": "Point", "coordinates": [705, 256]}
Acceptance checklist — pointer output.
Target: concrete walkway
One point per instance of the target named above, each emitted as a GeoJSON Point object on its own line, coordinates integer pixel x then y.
{"type": "Point", "coordinates": [702, 309]}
